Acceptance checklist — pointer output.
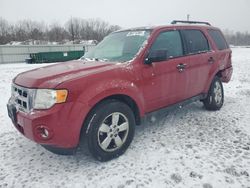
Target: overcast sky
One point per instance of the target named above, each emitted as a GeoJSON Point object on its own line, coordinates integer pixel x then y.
{"type": "Point", "coordinates": [226, 14]}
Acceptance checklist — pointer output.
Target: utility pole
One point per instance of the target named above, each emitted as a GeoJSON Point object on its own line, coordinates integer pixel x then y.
{"type": "Point", "coordinates": [188, 16]}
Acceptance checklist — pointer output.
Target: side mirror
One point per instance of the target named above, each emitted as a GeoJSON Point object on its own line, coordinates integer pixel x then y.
{"type": "Point", "coordinates": [156, 56]}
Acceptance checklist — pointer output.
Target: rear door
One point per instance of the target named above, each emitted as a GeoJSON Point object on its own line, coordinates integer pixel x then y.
{"type": "Point", "coordinates": [224, 52]}
{"type": "Point", "coordinates": [200, 61]}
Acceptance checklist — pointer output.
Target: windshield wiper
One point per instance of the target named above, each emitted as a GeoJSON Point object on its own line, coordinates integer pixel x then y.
{"type": "Point", "coordinates": [99, 59]}
{"type": "Point", "coordinates": [93, 59]}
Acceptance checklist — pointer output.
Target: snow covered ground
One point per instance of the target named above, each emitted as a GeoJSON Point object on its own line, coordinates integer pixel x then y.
{"type": "Point", "coordinates": [189, 147]}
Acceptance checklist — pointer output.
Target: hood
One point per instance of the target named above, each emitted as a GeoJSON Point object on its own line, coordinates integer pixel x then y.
{"type": "Point", "coordinates": [53, 75]}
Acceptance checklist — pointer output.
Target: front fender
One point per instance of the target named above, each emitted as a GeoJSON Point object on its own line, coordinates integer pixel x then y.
{"type": "Point", "coordinates": [94, 93]}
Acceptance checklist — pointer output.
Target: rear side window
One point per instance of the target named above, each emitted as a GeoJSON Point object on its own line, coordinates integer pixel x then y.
{"type": "Point", "coordinates": [218, 39]}
{"type": "Point", "coordinates": [196, 41]}
{"type": "Point", "coordinates": [169, 41]}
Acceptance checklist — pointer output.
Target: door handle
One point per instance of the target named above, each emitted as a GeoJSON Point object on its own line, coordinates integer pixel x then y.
{"type": "Point", "coordinates": [181, 67]}
{"type": "Point", "coordinates": [211, 60]}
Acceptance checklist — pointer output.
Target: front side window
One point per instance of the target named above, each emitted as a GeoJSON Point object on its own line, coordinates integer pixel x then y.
{"type": "Point", "coordinates": [119, 46]}
{"type": "Point", "coordinates": [170, 42]}
{"type": "Point", "coordinates": [196, 41]}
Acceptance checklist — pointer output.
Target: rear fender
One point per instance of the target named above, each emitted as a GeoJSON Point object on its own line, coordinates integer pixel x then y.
{"type": "Point", "coordinates": [222, 68]}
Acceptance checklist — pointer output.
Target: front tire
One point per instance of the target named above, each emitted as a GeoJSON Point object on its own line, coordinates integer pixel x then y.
{"type": "Point", "coordinates": [215, 98]}
{"type": "Point", "coordinates": [110, 131]}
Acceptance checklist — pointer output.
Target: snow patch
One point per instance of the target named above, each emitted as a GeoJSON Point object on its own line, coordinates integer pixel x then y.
{"type": "Point", "coordinates": [187, 147]}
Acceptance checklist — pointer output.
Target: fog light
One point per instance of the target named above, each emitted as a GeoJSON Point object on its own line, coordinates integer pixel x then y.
{"type": "Point", "coordinates": [43, 132]}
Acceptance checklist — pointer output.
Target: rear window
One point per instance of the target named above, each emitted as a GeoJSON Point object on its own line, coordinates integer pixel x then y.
{"type": "Point", "coordinates": [218, 39]}
{"type": "Point", "coordinates": [196, 41]}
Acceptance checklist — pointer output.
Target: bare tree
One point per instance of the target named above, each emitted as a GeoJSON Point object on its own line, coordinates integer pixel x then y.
{"type": "Point", "coordinates": [95, 29]}
{"type": "Point", "coordinates": [4, 27]}
{"type": "Point", "coordinates": [75, 29]}
{"type": "Point", "coordinates": [29, 30]}
{"type": "Point", "coordinates": [57, 33]}
{"type": "Point", "coordinates": [238, 38]}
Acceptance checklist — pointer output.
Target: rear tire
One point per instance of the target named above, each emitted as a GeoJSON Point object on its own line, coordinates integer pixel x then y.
{"type": "Point", "coordinates": [215, 98]}
{"type": "Point", "coordinates": [110, 129]}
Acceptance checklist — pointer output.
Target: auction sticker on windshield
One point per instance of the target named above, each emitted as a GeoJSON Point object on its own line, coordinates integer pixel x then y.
{"type": "Point", "coordinates": [136, 33]}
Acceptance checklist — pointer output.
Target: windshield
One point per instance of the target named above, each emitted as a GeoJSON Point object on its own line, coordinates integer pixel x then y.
{"type": "Point", "coordinates": [119, 46]}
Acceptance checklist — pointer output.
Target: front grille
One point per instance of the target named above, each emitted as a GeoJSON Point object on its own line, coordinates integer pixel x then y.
{"type": "Point", "coordinates": [21, 97]}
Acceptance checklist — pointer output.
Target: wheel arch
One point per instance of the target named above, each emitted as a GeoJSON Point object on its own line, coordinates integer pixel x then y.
{"type": "Point", "coordinates": [118, 97]}
{"type": "Point", "coordinates": [130, 102]}
{"type": "Point", "coordinates": [125, 99]}
{"type": "Point", "coordinates": [217, 73]}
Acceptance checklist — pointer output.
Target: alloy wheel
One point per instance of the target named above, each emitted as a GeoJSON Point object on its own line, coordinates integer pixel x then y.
{"type": "Point", "coordinates": [113, 132]}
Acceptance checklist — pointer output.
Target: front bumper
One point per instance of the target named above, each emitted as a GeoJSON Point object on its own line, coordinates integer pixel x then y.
{"type": "Point", "coordinates": [62, 122]}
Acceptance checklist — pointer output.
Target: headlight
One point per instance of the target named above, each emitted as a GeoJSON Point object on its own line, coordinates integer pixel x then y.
{"type": "Point", "coordinates": [46, 98]}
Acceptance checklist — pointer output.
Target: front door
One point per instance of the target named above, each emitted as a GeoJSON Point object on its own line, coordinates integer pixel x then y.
{"type": "Point", "coordinates": [165, 80]}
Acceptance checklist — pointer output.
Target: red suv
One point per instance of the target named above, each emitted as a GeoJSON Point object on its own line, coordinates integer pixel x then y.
{"type": "Point", "coordinates": [128, 75]}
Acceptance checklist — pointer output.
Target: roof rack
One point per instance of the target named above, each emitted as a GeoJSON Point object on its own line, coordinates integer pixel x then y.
{"type": "Point", "coordinates": [189, 22]}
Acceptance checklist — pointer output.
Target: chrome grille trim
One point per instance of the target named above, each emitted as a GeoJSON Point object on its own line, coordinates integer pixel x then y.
{"type": "Point", "coordinates": [22, 98]}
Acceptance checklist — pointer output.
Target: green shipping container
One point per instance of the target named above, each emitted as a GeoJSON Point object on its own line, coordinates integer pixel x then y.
{"type": "Point", "coordinates": [50, 57]}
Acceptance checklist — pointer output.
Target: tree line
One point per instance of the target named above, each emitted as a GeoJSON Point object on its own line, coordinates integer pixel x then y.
{"type": "Point", "coordinates": [237, 38]}
{"type": "Point", "coordinates": [75, 30]}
